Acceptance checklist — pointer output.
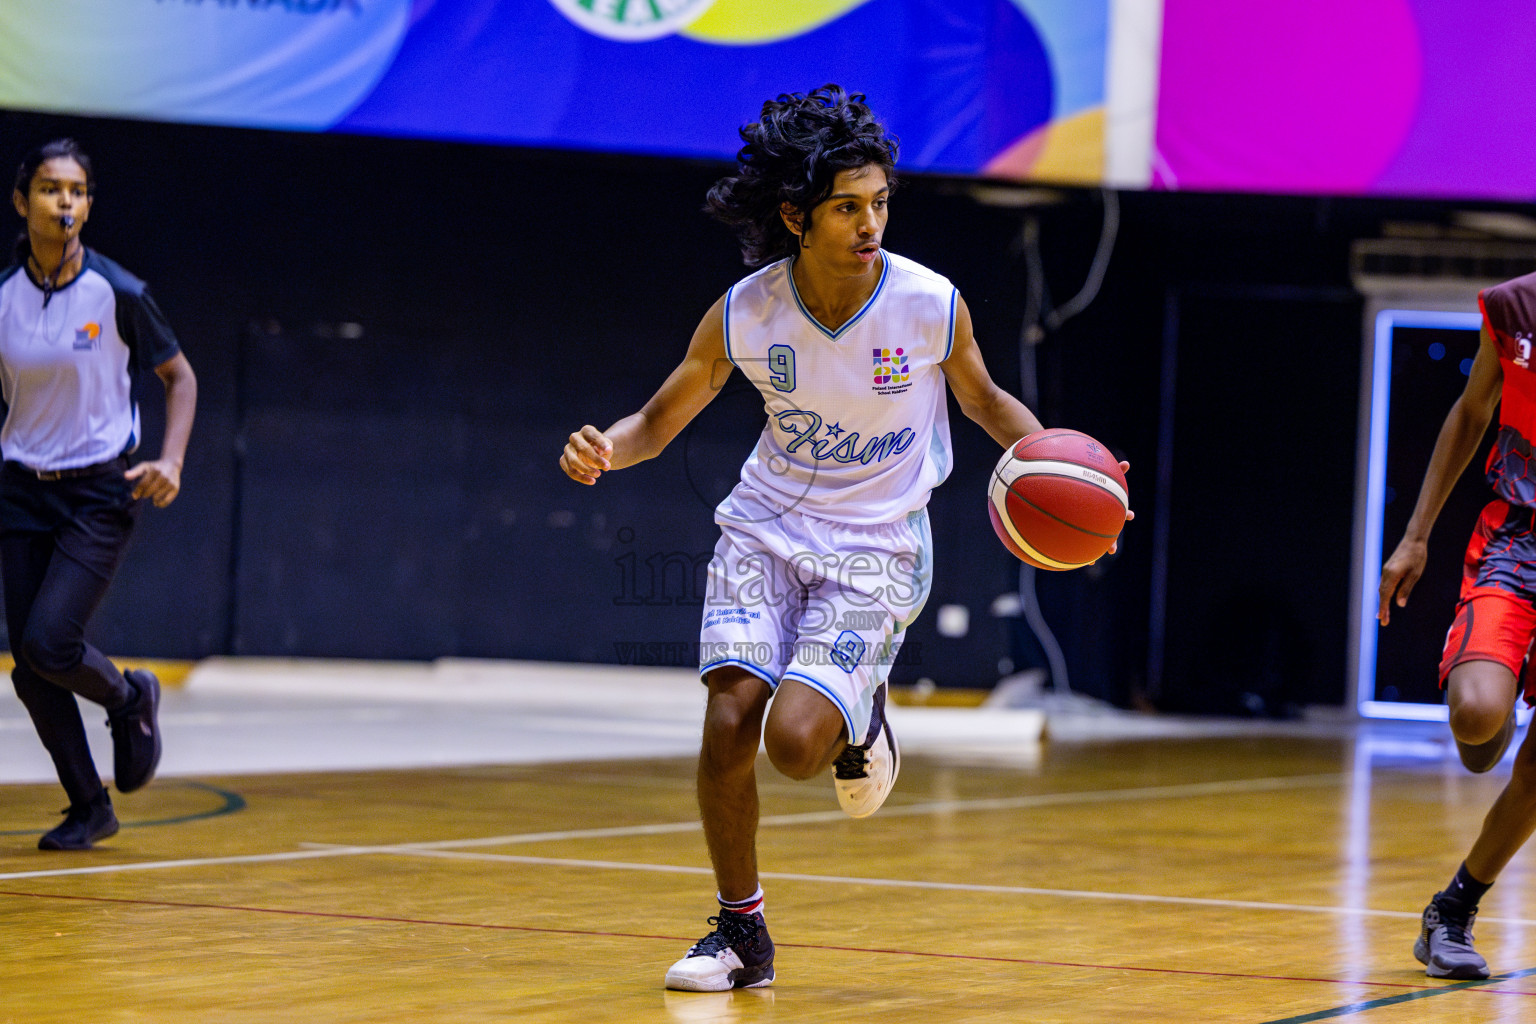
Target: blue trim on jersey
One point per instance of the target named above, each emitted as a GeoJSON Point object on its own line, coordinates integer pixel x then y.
{"type": "Point", "coordinates": [922, 570]}
{"type": "Point", "coordinates": [727, 324]}
{"type": "Point", "coordinates": [938, 454]}
{"type": "Point", "coordinates": [756, 670]}
{"type": "Point", "coordinates": [885, 273]}
{"type": "Point", "coordinates": [954, 294]}
{"type": "Point", "coordinates": [822, 689]}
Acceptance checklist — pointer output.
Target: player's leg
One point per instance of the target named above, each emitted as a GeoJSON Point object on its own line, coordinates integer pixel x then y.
{"type": "Point", "coordinates": [1481, 696]}
{"type": "Point", "coordinates": [738, 953]}
{"type": "Point", "coordinates": [805, 732]}
{"type": "Point", "coordinates": [1445, 944]}
{"type": "Point", "coordinates": [727, 777]}
{"type": "Point", "coordinates": [24, 560]}
{"type": "Point", "coordinates": [1511, 820]}
{"type": "Point", "coordinates": [740, 645]}
{"type": "Point", "coordinates": [830, 710]}
{"type": "Point", "coordinates": [1490, 635]}
{"type": "Point", "coordinates": [1485, 648]}
{"type": "Point", "coordinates": [875, 583]}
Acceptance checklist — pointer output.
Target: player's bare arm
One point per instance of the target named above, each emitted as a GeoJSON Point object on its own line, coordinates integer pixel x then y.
{"type": "Point", "coordinates": [643, 435]}
{"type": "Point", "coordinates": [1001, 415]}
{"type": "Point", "coordinates": [1459, 437]}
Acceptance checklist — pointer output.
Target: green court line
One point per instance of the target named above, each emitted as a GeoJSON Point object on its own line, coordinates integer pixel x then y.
{"type": "Point", "coordinates": [1344, 1011]}
{"type": "Point", "coordinates": [233, 803]}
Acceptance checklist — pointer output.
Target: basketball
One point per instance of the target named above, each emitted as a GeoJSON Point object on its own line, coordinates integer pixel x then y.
{"type": "Point", "coordinates": [1057, 499]}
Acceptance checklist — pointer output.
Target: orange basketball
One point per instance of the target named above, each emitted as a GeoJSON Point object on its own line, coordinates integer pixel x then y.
{"type": "Point", "coordinates": [1058, 499]}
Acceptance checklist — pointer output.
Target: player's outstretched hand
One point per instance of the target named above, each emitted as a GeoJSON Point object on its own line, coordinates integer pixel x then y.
{"type": "Point", "coordinates": [1125, 467]}
{"type": "Point", "coordinates": [1399, 575]}
{"type": "Point", "coordinates": [586, 455]}
{"type": "Point", "coordinates": [159, 481]}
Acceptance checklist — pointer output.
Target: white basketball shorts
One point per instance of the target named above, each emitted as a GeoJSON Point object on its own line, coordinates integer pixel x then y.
{"type": "Point", "coordinates": [824, 603]}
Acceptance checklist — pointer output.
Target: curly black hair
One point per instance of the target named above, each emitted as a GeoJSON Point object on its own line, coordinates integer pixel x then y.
{"type": "Point", "coordinates": [792, 155]}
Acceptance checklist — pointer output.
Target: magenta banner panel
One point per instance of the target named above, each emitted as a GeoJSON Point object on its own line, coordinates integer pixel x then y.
{"type": "Point", "coordinates": [1430, 98]}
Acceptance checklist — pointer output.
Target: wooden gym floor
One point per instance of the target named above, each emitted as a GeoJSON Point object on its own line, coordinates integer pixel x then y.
{"type": "Point", "coordinates": [1264, 876]}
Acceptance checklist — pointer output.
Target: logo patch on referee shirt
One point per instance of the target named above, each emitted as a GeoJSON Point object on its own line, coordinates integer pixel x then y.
{"type": "Point", "coordinates": [88, 337]}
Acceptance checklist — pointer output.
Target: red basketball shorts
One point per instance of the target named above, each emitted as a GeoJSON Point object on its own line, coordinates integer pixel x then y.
{"type": "Point", "coordinates": [1496, 613]}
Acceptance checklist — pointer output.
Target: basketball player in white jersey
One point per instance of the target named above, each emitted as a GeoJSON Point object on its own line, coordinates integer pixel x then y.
{"type": "Point", "coordinates": [851, 347]}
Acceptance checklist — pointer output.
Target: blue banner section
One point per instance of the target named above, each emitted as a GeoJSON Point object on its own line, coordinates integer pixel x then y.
{"type": "Point", "coordinates": [1012, 87]}
{"type": "Point", "coordinates": [958, 82]}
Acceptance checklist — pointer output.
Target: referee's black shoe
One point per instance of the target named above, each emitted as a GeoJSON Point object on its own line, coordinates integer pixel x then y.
{"type": "Point", "coordinates": [83, 824]}
{"type": "Point", "coordinates": [136, 732]}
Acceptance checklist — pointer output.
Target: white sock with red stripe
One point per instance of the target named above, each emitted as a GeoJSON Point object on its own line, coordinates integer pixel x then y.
{"type": "Point", "coordinates": [751, 905]}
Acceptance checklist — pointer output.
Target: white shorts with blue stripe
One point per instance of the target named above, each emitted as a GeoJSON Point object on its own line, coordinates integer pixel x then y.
{"type": "Point", "coordinates": [820, 602]}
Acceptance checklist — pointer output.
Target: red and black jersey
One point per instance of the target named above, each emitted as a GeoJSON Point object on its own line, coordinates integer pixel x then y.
{"type": "Point", "coordinates": [1509, 312]}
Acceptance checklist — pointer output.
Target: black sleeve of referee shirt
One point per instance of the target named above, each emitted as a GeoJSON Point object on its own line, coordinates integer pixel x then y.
{"type": "Point", "coordinates": [145, 329]}
{"type": "Point", "coordinates": [140, 323]}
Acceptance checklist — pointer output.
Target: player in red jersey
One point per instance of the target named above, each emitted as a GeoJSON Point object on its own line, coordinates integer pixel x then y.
{"type": "Point", "coordinates": [1484, 667]}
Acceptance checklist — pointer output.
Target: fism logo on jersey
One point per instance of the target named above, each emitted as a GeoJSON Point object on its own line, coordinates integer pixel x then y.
{"type": "Point", "coordinates": [632, 21]}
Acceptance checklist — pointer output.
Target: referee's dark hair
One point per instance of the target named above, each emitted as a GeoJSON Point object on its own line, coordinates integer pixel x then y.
{"type": "Point", "coordinates": [28, 169]}
{"type": "Point", "coordinates": [792, 154]}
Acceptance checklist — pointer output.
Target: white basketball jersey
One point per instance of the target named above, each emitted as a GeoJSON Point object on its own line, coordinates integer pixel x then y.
{"type": "Point", "coordinates": [858, 430]}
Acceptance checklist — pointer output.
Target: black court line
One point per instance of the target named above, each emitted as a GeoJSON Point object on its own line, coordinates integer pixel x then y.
{"type": "Point", "coordinates": [1353, 1008]}
{"type": "Point", "coordinates": [233, 804]}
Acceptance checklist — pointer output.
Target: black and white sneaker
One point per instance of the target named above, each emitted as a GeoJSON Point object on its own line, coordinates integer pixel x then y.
{"type": "Point", "coordinates": [1445, 943]}
{"type": "Point", "coordinates": [737, 954]}
{"type": "Point", "coordinates": [866, 773]}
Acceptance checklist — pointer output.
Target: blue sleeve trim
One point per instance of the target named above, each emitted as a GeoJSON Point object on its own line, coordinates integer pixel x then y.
{"type": "Point", "coordinates": [756, 670]}
{"type": "Point", "coordinates": [954, 296]}
{"type": "Point", "coordinates": [726, 323]}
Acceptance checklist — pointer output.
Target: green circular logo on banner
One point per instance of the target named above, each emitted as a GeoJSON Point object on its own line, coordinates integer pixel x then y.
{"type": "Point", "coordinates": [632, 21]}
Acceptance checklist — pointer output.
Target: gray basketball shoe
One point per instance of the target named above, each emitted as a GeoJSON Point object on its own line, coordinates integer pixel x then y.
{"type": "Point", "coordinates": [1445, 943]}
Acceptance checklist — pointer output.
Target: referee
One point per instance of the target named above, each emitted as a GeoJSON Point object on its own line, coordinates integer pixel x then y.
{"type": "Point", "coordinates": [75, 330]}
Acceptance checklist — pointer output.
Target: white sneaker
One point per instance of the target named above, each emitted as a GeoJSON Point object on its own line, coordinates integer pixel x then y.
{"type": "Point", "coordinates": [865, 774]}
{"type": "Point", "coordinates": [737, 954]}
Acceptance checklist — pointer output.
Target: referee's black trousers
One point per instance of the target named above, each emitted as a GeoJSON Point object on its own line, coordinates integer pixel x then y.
{"type": "Point", "coordinates": [53, 581]}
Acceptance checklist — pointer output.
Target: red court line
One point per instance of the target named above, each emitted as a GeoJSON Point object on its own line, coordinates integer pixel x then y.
{"type": "Point", "coordinates": [379, 919]}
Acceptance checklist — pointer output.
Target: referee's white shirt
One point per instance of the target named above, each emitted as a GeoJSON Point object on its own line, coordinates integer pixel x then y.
{"type": "Point", "coordinates": [70, 361]}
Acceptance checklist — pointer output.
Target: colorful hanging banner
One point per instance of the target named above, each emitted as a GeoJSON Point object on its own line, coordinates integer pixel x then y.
{"type": "Point", "coordinates": [1012, 88]}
